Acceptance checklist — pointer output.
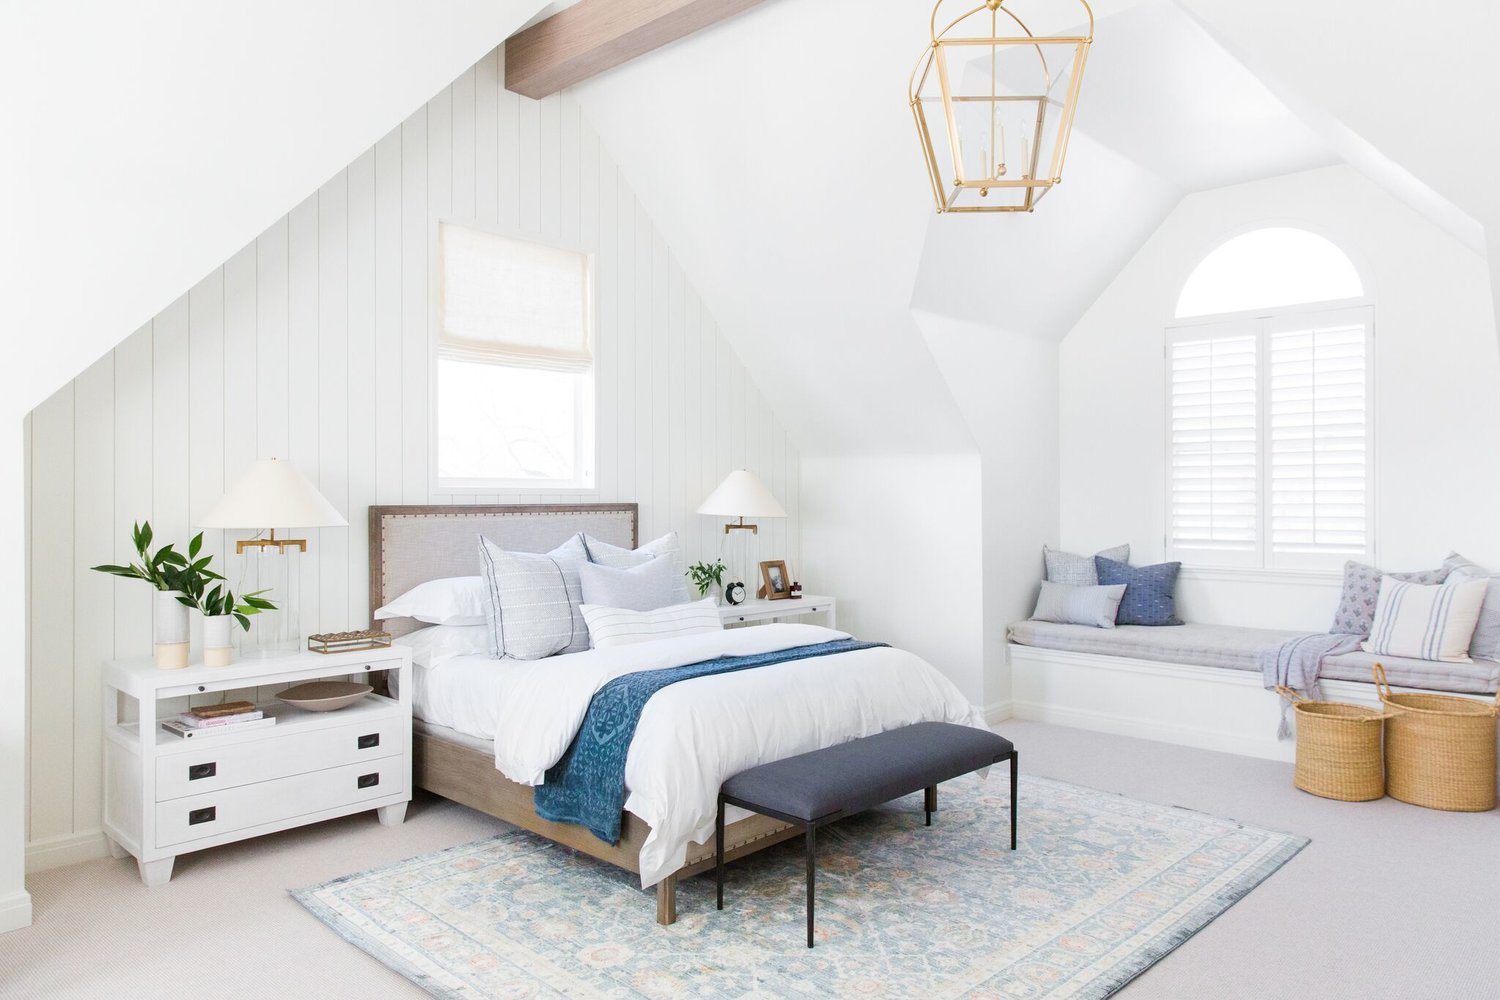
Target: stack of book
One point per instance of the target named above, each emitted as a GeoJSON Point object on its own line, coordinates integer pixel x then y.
{"type": "Point", "coordinates": [216, 719]}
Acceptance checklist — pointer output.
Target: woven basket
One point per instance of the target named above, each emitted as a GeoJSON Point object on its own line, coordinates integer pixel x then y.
{"type": "Point", "coordinates": [1338, 749]}
{"type": "Point", "coordinates": [1439, 749]}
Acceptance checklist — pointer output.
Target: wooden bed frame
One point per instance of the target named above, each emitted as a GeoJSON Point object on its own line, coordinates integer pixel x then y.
{"type": "Point", "coordinates": [401, 558]}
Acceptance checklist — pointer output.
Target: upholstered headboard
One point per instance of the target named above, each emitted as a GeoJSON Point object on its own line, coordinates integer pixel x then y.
{"type": "Point", "coordinates": [413, 544]}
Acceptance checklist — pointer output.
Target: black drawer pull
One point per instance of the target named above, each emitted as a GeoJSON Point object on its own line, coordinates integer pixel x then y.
{"type": "Point", "coordinates": [369, 740]}
{"type": "Point", "coordinates": [197, 771]}
{"type": "Point", "coordinates": [205, 815]}
{"type": "Point", "coordinates": [369, 780]}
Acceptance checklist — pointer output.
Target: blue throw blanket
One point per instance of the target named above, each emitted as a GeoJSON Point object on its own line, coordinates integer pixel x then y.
{"type": "Point", "coordinates": [1297, 664]}
{"type": "Point", "coordinates": [587, 786]}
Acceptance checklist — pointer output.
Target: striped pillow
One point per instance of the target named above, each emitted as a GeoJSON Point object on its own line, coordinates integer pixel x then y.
{"type": "Point", "coordinates": [621, 626]}
{"type": "Point", "coordinates": [532, 600]}
{"type": "Point", "coordinates": [1426, 622]}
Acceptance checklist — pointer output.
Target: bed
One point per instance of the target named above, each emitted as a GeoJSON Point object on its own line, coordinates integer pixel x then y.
{"type": "Point", "coordinates": [528, 709]}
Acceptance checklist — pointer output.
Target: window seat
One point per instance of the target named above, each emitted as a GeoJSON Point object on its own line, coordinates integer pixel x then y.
{"type": "Point", "coordinates": [1232, 647]}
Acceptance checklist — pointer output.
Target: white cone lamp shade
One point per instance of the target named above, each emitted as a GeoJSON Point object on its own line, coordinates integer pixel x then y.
{"type": "Point", "coordinates": [273, 494]}
{"type": "Point", "coordinates": [742, 495]}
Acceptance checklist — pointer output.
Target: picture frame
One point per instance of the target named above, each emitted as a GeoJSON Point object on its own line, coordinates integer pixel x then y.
{"type": "Point", "coordinates": [776, 582]}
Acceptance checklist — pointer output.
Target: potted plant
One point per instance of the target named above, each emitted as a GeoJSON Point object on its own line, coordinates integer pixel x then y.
{"type": "Point", "coordinates": [220, 610]}
{"type": "Point", "coordinates": [164, 569]}
{"type": "Point", "coordinates": [708, 576]}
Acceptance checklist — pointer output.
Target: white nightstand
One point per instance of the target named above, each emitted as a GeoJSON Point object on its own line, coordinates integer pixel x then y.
{"type": "Point", "coordinates": [165, 796]}
{"type": "Point", "coordinates": [754, 611]}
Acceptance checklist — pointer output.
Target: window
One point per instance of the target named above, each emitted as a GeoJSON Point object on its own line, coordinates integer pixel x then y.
{"type": "Point", "coordinates": [1269, 452]}
{"type": "Point", "coordinates": [514, 373]}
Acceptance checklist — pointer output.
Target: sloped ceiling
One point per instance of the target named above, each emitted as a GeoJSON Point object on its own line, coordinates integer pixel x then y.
{"type": "Point", "coordinates": [147, 142]}
{"type": "Point", "coordinates": [777, 153]}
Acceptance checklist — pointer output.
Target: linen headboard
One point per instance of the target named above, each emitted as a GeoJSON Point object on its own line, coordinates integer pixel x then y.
{"type": "Point", "coordinates": [413, 544]}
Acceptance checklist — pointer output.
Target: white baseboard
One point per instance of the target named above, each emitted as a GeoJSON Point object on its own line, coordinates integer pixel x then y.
{"type": "Point", "coordinates": [65, 849]}
{"type": "Point", "coordinates": [998, 712]}
{"type": "Point", "coordinates": [1155, 729]}
{"type": "Point", "coordinates": [15, 911]}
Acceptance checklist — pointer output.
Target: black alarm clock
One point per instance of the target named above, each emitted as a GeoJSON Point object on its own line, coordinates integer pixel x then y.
{"type": "Point", "coordinates": [734, 593]}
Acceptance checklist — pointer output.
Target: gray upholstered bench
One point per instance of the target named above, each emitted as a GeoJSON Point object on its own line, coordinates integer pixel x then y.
{"type": "Point", "coordinates": [815, 788]}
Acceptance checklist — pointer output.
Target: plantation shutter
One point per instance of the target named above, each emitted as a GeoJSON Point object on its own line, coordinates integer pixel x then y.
{"type": "Point", "coordinates": [1213, 449]}
{"type": "Point", "coordinates": [1318, 400]}
{"type": "Point", "coordinates": [512, 302]}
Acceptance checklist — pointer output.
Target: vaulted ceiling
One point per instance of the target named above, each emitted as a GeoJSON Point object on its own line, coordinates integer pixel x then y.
{"type": "Point", "coordinates": [777, 154]}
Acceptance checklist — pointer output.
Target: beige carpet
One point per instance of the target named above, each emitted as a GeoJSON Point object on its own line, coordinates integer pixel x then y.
{"type": "Point", "coordinates": [1387, 901]}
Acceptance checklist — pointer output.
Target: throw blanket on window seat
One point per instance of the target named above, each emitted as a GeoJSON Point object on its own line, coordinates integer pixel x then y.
{"type": "Point", "coordinates": [1298, 663]}
{"type": "Point", "coordinates": [587, 785]}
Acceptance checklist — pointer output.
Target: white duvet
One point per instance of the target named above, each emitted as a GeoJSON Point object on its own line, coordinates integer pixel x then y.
{"type": "Point", "coordinates": [694, 734]}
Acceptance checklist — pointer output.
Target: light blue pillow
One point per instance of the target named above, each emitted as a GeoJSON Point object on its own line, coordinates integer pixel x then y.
{"type": "Point", "coordinates": [1070, 605]}
{"type": "Point", "coordinates": [1149, 598]}
{"type": "Point", "coordinates": [651, 585]}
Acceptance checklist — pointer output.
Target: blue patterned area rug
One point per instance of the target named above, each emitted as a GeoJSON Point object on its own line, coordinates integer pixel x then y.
{"type": "Point", "coordinates": [1102, 887]}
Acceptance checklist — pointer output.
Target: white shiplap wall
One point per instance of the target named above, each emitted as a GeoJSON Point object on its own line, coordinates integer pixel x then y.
{"type": "Point", "coordinates": [313, 344]}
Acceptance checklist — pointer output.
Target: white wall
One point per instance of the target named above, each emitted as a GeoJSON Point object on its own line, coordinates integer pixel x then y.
{"type": "Point", "coordinates": [312, 343]}
{"type": "Point", "coordinates": [1006, 386]}
{"type": "Point", "coordinates": [896, 538]}
{"type": "Point", "coordinates": [1436, 369]}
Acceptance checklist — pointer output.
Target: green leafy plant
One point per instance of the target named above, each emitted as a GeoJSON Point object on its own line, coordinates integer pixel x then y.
{"type": "Point", "coordinates": [187, 576]}
{"type": "Point", "coordinates": [221, 601]}
{"type": "Point", "coordinates": [164, 569]}
{"type": "Point", "coordinates": [705, 575]}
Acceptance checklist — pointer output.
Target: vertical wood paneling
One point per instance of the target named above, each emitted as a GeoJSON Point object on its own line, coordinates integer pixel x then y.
{"type": "Point", "coordinates": [52, 568]}
{"type": "Point", "coordinates": [93, 593]}
{"type": "Point", "coordinates": [329, 401]}
{"type": "Point", "coordinates": [313, 343]}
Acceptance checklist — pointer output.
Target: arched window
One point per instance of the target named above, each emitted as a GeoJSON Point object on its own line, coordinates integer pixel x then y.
{"type": "Point", "coordinates": [1268, 406]}
{"type": "Point", "coordinates": [1269, 269]}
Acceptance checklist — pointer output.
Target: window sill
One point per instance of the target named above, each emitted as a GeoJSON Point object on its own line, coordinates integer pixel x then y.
{"type": "Point", "coordinates": [1256, 574]}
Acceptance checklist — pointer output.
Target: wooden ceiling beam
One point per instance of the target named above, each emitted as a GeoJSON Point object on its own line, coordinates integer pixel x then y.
{"type": "Point", "coordinates": [596, 35]}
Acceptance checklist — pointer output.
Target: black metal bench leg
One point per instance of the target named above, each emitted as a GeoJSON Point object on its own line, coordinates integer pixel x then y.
{"type": "Point", "coordinates": [1015, 768]}
{"type": "Point", "coordinates": [719, 853]}
{"type": "Point", "coordinates": [812, 869]}
{"type": "Point", "coordinates": [929, 802]}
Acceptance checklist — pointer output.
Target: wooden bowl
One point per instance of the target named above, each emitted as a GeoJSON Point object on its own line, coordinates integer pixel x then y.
{"type": "Point", "coordinates": [324, 696]}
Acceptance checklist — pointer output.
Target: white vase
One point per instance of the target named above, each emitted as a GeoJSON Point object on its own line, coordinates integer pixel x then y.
{"type": "Point", "coordinates": [171, 636]}
{"type": "Point", "coordinates": [218, 645]}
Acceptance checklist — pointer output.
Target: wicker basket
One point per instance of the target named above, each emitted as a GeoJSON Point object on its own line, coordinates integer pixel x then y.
{"type": "Point", "coordinates": [1338, 749]}
{"type": "Point", "coordinates": [1439, 749]}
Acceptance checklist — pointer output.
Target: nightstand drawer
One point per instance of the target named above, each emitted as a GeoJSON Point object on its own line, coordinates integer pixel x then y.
{"type": "Point", "coordinates": [211, 768]}
{"type": "Point", "coordinates": [213, 814]}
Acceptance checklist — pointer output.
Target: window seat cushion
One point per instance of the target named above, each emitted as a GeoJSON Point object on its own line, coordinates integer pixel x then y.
{"type": "Point", "coordinates": [1232, 647]}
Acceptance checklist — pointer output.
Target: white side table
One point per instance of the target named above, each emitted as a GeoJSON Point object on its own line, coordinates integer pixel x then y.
{"type": "Point", "coordinates": [165, 795]}
{"type": "Point", "coordinates": [757, 611]}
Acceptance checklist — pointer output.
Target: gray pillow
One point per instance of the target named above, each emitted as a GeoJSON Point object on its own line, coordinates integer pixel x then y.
{"type": "Point", "coordinates": [1068, 605]}
{"type": "Point", "coordinates": [1356, 611]}
{"type": "Point", "coordinates": [646, 587]}
{"type": "Point", "coordinates": [1078, 571]}
{"type": "Point", "coordinates": [1486, 642]}
{"type": "Point", "coordinates": [533, 601]}
{"type": "Point", "coordinates": [614, 556]}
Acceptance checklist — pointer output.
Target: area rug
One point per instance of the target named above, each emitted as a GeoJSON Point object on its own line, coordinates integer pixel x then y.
{"type": "Point", "coordinates": [1102, 887]}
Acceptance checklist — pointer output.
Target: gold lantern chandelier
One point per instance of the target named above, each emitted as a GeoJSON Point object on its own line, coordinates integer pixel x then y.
{"type": "Point", "coordinates": [994, 104]}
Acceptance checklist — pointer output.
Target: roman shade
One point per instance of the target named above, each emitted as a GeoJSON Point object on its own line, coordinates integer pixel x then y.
{"type": "Point", "coordinates": [512, 302]}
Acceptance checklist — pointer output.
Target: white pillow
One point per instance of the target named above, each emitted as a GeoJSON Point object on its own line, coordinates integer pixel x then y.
{"type": "Point", "coordinates": [669, 545]}
{"type": "Point", "coordinates": [532, 600]}
{"type": "Point", "coordinates": [646, 587]}
{"type": "Point", "coordinates": [610, 627]}
{"type": "Point", "coordinates": [1077, 605]}
{"type": "Point", "coordinates": [1426, 622]}
{"type": "Point", "coordinates": [457, 600]}
{"type": "Point", "coordinates": [435, 645]}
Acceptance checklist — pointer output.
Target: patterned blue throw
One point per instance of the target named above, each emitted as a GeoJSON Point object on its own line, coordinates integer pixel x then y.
{"type": "Point", "coordinates": [587, 785]}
